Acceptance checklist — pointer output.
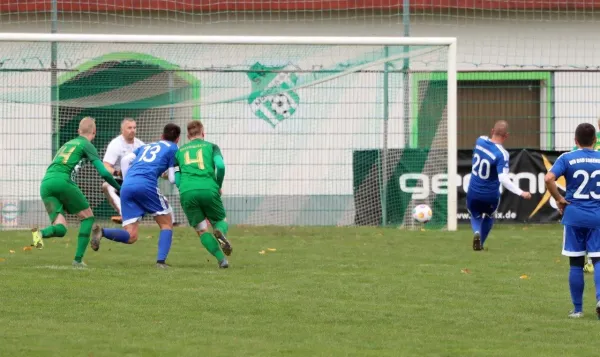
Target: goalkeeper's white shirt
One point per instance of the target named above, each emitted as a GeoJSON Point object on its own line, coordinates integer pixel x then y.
{"type": "Point", "coordinates": [118, 149]}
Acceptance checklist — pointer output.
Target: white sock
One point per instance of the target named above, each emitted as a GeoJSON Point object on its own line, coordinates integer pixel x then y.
{"type": "Point", "coordinates": [172, 211]}
{"type": "Point", "coordinates": [115, 198]}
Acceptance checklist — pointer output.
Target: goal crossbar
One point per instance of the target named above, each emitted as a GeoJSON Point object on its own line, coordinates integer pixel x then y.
{"type": "Point", "coordinates": [233, 40]}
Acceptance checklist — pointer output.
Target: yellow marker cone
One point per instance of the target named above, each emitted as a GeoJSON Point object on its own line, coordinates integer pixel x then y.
{"type": "Point", "coordinates": [271, 249]}
{"type": "Point", "coordinates": [523, 277]}
{"type": "Point", "coordinates": [11, 251]}
{"type": "Point", "coordinates": [261, 252]}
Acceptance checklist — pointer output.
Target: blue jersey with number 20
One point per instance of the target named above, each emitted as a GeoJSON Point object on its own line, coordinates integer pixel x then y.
{"type": "Point", "coordinates": [151, 161]}
{"type": "Point", "coordinates": [489, 160]}
{"type": "Point", "coordinates": [581, 169]}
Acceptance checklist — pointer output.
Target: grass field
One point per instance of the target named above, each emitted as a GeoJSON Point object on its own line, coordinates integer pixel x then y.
{"type": "Point", "coordinates": [323, 292]}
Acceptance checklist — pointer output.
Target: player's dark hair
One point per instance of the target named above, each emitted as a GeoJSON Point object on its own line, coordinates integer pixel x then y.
{"type": "Point", "coordinates": [585, 134]}
{"type": "Point", "coordinates": [171, 132]}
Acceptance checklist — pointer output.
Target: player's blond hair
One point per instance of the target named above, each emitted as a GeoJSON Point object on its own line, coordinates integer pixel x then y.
{"type": "Point", "coordinates": [87, 126]}
{"type": "Point", "coordinates": [195, 128]}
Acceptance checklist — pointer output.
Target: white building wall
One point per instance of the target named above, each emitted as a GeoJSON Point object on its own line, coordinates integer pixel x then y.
{"type": "Point", "coordinates": [494, 41]}
{"type": "Point", "coordinates": [352, 123]}
{"type": "Point", "coordinates": [577, 96]}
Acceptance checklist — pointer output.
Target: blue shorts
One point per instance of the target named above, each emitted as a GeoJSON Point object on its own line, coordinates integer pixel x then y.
{"type": "Point", "coordinates": [138, 200]}
{"type": "Point", "coordinates": [478, 207]}
{"type": "Point", "coordinates": [579, 240]}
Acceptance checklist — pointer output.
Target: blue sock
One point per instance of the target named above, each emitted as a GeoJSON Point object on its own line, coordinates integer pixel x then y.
{"type": "Point", "coordinates": [164, 244]}
{"type": "Point", "coordinates": [116, 234]}
{"type": "Point", "coordinates": [576, 284]}
{"type": "Point", "coordinates": [486, 228]}
{"type": "Point", "coordinates": [476, 223]}
{"type": "Point", "coordinates": [597, 279]}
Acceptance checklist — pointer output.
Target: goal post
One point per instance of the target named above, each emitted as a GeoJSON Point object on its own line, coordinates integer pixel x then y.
{"type": "Point", "coordinates": [300, 119]}
{"type": "Point", "coordinates": [452, 137]}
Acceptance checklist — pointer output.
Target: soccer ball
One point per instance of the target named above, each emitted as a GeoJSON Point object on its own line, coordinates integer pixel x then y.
{"type": "Point", "coordinates": [422, 213]}
{"type": "Point", "coordinates": [281, 104]}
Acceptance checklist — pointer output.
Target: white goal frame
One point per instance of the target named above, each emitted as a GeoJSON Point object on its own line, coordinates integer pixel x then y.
{"type": "Point", "coordinates": [450, 42]}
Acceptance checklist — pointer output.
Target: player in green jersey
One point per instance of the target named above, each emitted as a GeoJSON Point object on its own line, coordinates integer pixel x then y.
{"type": "Point", "coordinates": [199, 179]}
{"type": "Point", "coordinates": [589, 267]}
{"type": "Point", "coordinates": [61, 194]}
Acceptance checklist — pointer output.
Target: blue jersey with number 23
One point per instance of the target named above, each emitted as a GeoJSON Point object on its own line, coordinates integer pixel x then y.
{"type": "Point", "coordinates": [581, 169]}
{"type": "Point", "coordinates": [151, 161]}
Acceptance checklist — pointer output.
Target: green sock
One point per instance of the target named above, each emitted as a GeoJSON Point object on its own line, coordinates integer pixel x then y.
{"type": "Point", "coordinates": [83, 238]}
{"type": "Point", "coordinates": [57, 230]}
{"type": "Point", "coordinates": [210, 243]}
{"type": "Point", "coordinates": [222, 226]}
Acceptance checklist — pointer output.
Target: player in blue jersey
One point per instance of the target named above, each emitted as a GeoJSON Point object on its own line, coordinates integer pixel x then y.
{"type": "Point", "coordinates": [140, 194]}
{"type": "Point", "coordinates": [489, 170]}
{"type": "Point", "coordinates": [581, 211]}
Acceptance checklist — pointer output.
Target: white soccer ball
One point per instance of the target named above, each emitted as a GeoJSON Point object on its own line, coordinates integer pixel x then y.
{"type": "Point", "coordinates": [422, 213]}
{"type": "Point", "coordinates": [281, 104]}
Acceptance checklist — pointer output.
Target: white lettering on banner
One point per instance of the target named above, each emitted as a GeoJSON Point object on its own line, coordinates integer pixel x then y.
{"type": "Point", "coordinates": [508, 215]}
{"type": "Point", "coordinates": [438, 184]}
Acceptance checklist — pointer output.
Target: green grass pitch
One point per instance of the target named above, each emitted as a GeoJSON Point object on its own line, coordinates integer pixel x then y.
{"type": "Point", "coordinates": [323, 292]}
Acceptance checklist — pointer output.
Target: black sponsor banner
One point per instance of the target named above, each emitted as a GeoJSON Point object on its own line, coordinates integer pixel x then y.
{"type": "Point", "coordinates": [408, 181]}
{"type": "Point", "coordinates": [527, 170]}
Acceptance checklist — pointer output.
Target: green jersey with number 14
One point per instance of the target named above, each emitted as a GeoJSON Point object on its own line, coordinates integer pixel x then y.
{"type": "Point", "coordinates": [70, 157]}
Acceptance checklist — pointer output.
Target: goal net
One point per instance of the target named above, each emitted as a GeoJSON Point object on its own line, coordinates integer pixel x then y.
{"type": "Point", "coordinates": [314, 131]}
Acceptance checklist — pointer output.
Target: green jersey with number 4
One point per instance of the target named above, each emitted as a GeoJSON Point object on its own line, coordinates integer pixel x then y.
{"type": "Point", "coordinates": [70, 158]}
{"type": "Point", "coordinates": [200, 166]}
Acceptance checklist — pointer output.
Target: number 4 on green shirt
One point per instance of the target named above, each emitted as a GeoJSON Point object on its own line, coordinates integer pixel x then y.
{"type": "Point", "coordinates": [201, 166]}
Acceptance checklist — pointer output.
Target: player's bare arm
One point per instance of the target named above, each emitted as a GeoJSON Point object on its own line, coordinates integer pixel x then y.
{"type": "Point", "coordinates": [110, 168]}
{"type": "Point", "coordinates": [107, 176]}
{"type": "Point", "coordinates": [111, 157]}
{"type": "Point", "coordinates": [550, 180]}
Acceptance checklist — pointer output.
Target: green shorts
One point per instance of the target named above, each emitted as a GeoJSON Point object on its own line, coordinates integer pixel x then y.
{"type": "Point", "coordinates": [60, 196]}
{"type": "Point", "coordinates": [201, 204]}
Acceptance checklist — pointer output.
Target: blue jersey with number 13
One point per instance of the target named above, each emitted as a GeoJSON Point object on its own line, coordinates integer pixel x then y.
{"type": "Point", "coordinates": [151, 161]}
{"type": "Point", "coordinates": [581, 169]}
{"type": "Point", "coordinates": [489, 160]}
